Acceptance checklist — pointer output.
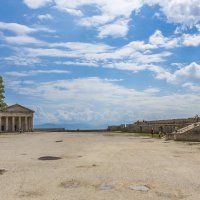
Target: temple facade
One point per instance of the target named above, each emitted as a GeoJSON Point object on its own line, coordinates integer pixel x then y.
{"type": "Point", "coordinates": [16, 118]}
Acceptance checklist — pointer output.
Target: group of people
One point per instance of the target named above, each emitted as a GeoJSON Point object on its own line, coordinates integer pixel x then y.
{"type": "Point", "coordinates": [160, 133]}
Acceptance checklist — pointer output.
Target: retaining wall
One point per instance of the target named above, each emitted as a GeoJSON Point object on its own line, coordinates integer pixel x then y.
{"type": "Point", "coordinates": [192, 135]}
{"type": "Point", "coordinates": [165, 126]}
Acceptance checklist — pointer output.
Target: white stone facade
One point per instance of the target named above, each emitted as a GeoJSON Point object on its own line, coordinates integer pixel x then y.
{"type": "Point", "coordinates": [16, 118]}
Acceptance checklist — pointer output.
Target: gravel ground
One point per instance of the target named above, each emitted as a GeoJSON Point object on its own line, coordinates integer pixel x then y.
{"type": "Point", "coordinates": [93, 166]}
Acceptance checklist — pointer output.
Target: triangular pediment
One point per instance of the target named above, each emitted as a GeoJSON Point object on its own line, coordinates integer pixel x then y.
{"type": "Point", "coordinates": [18, 108]}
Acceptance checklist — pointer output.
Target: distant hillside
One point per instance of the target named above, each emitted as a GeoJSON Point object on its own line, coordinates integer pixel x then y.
{"type": "Point", "coordinates": [71, 126]}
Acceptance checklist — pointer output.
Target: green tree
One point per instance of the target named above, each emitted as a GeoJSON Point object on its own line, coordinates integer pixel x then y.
{"type": "Point", "coordinates": [3, 105]}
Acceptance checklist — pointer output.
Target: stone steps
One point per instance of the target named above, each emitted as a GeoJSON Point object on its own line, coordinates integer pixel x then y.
{"type": "Point", "coordinates": [187, 128]}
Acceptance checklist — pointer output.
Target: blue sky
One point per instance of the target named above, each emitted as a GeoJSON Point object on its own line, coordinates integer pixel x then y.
{"type": "Point", "coordinates": [101, 61]}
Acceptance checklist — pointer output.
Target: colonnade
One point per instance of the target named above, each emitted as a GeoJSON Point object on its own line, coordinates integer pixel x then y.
{"type": "Point", "coordinates": [16, 123]}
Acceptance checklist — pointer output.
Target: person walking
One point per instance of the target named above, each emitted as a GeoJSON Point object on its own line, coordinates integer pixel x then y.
{"type": "Point", "coordinates": [152, 132]}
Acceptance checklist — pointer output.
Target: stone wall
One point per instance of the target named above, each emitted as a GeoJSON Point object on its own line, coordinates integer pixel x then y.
{"type": "Point", "coordinates": [114, 128]}
{"type": "Point", "coordinates": [165, 126]}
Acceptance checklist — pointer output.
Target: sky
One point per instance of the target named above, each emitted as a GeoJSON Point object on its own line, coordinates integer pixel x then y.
{"type": "Point", "coordinates": [101, 62]}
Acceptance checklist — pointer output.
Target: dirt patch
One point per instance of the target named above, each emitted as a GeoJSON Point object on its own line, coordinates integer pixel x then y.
{"type": "Point", "coordinates": [147, 141]}
{"type": "Point", "coordinates": [105, 186]}
{"type": "Point", "coordinates": [70, 184]}
{"type": "Point", "coordinates": [30, 194]}
{"type": "Point", "coordinates": [49, 158]}
{"type": "Point", "coordinates": [72, 156]}
{"type": "Point", "coordinates": [86, 166]}
{"type": "Point", "coordinates": [170, 195]}
{"type": "Point", "coordinates": [194, 143]}
{"type": "Point", "coordinates": [2, 171]}
{"type": "Point", "coordinates": [141, 188]}
{"type": "Point", "coordinates": [177, 156]}
{"type": "Point", "coordinates": [178, 152]}
{"type": "Point", "coordinates": [59, 141]}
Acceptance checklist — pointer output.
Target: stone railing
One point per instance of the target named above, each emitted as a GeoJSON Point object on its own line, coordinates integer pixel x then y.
{"type": "Point", "coordinates": [187, 128]}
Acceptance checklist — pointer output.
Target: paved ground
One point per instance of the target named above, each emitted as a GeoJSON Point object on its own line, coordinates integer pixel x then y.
{"type": "Point", "coordinates": [97, 167]}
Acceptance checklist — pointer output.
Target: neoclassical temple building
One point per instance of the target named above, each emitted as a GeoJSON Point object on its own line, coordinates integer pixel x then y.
{"type": "Point", "coordinates": [16, 118]}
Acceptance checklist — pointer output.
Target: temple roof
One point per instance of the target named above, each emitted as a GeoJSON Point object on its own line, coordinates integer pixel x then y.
{"type": "Point", "coordinates": [18, 108]}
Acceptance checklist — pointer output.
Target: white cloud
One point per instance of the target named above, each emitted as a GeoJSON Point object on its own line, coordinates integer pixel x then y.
{"type": "Point", "coordinates": [183, 12]}
{"type": "Point", "coordinates": [95, 20]}
{"type": "Point", "coordinates": [71, 11]}
{"type": "Point", "coordinates": [45, 17]}
{"type": "Point", "coordinates": [136, 51]}
{"type": "Point", "coordinates": [88, 64]}
{"type": "Point", "coordinates": [21, 29]}
{"type": "Point", "coordinates": [81, 47]}
{"type": "Point", "coordinates": [178, 65]}
{"type": "Point", "coordinates": [96, 100]}
{"type": "Point", "coordinates": [159, 40]}
{"type": "Point", "coordinates": [35, 72]}
{"type": "Point", "coordinates": [131, 57]}
{"type": "Point", "coordinates": [180, 29]}
{"type": "Point", "coordinates": [135, 56]}
{"type": "Point", "coordinates": [128, 66]}
{"type": "Point", "coordinates": [41, 28]}
{"type": "Point", "coordinates": [198, 27]}
{"type": "Point", "coordinates": [117, 29]}
{"type": "Point", "coordinates": [121, 7]}
{"type": "Point", "coordinates": [43, 116]}
{"type": "Point", "coordinates": [190, 72]}
{"type": "Point", "coordinates": [108, 12]}
{"type": "Point", "coordinates": [152, 90]}
{"type": "Point", "coordinates": [44, 52]}
{"type": "Point", "coordinates": [17, 28]}
{"type": "Point", "coordinates": [158, 71]}
{"type": "Point", "coordinates": [23, 39]}
{"type": "Point", "coordinates": [22, 59]}
{"type": "Point", "coordinates": [79, 50]}
{"type": "Point", "coordinates": [192, 86]}
{"type": "Point", "coordinates": [186, 12]}
{"type": "Point", "coordinates": [184, 74]}
{"type": "Point", "coordinates": [36, 3]}
{"type": "Point", "coordinates": [191, 40]}
{"type": "Point", "coordinates": [113, 80]}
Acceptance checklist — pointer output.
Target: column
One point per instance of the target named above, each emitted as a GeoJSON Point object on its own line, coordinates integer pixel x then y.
{"type": "Point", "coordinates": [31, 124]}
{"type": "Point", "coordinates": [6, 123]}
{"type": "Point", "coordinates": [20, 123]}
{"type": "Point", "coordinates": [26, 123]}
{"type": "Point", "coordinates": [0, 124]}
{"type": "Point", "coordinates": [13, 124]}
